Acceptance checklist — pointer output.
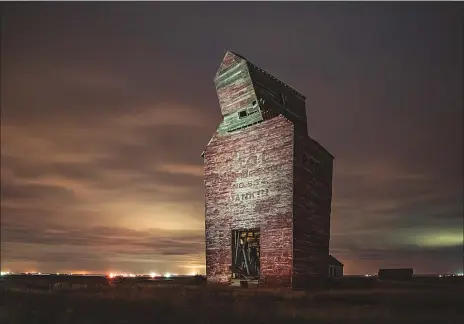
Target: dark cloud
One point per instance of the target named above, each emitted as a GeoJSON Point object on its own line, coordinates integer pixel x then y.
{"type": "Point", "coordinates": [107, 107]}
{"type": "Point", "coordinates": [185, 241]}
{"type": "Point", "coordinates": [87, 244]}
{"type": "Point", "coordinates": [29, 170]}
{"type": "Point", "coordinates": [447, 259]}
{"type": "Point", "coordinates": [35, 191]}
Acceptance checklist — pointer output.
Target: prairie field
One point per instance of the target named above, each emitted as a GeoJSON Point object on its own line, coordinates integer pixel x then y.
{"type": "Point", "coordinates": [426, 303]}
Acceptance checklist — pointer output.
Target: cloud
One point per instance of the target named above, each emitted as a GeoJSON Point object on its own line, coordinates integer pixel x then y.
{"type": "Point", "coordinates": [194, 170]}
{"type": "Point", "coordinates": [369, 260]}
{"type": "Point", "coordinates": [108, 134]}
{"type": "Point", "coordinates": [116, 170]}
{"type": "Point", "coordinates": [36, 192]}
{"type": "Point", "coordinates": [163, 241]}
{"type": "Point", "coordinates": [163, 114]}
{"type": "Point", "coordinates": [439, 238]}
{"type": "Point", "coordinates": [115, 245]}
{"type": "Point", "coordinates": [385, 212]}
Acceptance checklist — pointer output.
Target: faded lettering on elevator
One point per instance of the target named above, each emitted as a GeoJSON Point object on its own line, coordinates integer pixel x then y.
{"type": "Point", "coordinates": [251, 195]}
{"type": "Point", "coordinates": [250, 176]}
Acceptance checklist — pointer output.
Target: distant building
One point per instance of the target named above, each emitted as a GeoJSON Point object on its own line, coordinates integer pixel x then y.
{"type": "Point", "coordinates": [268, 185]}
{"type": "Point", "coordinates": [396, 274]}
{"type": "Point", "coordinates": [335, 267]}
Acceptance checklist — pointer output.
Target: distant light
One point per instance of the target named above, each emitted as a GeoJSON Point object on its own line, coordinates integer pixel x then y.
{"type": "Point", "coordinates": [167, 275]}
{"type": "Point", "coordinates": [39, 273]}
{"type": "Point", "coordinates": [153, 275]}
{"type": "Point", "coordinates": [193, 274]}
{"type": "Point", "coordinates": [4, 273]}
{"type": "Point", "coordinates": [57, 273]}
{"type": "Point", "coordinates": [460, 274]}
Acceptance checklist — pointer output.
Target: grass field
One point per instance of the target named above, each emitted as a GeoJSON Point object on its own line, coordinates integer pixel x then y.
{"type": "Point", "coordinates": [205, 304]}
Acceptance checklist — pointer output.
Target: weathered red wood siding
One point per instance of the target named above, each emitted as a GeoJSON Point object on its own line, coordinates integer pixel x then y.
{"type": "Point", "coordinates": [248, 184]}
{"type": "Point", "coordinates": [233, 85]}
{"type": "Point", "coordinates": [263, 171]}
{"type": "Point", "coordinates": [293, 108]}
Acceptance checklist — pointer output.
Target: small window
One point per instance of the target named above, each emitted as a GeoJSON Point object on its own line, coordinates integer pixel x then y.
{"type": "Point", "coordinates": [254, 103]}
{"type": "Point", "coordinates": [242, 114]}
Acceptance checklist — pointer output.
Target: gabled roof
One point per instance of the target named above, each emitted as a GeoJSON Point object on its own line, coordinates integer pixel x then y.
{"type": "Point", "coordinates": [231, 56]}
{"type": "Point", "coordinates": [228, 60]}
{"type": "Point", "coordinates": [271, 76]}
{"type": "Point", "coordinates": [334, 262]}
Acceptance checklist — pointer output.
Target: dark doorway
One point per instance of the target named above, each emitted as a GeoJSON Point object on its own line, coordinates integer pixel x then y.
{"type": "Point", "coordinates": [245, 254]}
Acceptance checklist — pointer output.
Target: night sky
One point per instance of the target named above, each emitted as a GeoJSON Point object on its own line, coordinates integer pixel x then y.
{"type": "Point", "coordinates": [107, 107]}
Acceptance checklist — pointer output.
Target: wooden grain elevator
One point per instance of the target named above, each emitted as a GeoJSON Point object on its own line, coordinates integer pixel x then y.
{"type": "Point", "coordinates": [268, 185]}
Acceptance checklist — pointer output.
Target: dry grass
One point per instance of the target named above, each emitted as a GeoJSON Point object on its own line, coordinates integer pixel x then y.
{"type": "Point", "coordinates": [219, 305]}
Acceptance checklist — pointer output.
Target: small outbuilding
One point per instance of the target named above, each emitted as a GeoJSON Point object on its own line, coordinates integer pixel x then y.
{"type": "Point", "coordinates": [396, 274]}
{"type": "Point", "coordinates": [335, 267]}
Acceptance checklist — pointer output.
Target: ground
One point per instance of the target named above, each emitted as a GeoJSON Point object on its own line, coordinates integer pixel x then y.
{"type": "Point", "coordinates": [206, 304]}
